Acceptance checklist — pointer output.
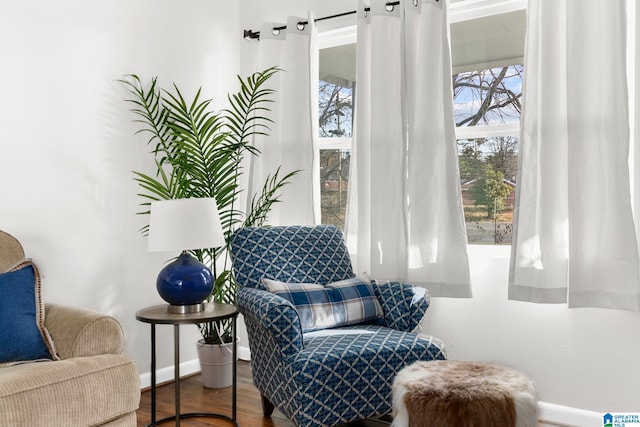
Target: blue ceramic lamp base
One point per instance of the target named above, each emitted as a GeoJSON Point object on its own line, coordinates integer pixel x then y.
{"type": "Point", "coordinates": [184, 284]}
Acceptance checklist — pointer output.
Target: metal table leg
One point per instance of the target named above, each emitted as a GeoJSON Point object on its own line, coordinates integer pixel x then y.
{"type": "Point", "coordinates": [176, 370]}
{"type": "Point", "coordinates": [234, 369]}
{"type": "Point", "coordinates": [153, 373]}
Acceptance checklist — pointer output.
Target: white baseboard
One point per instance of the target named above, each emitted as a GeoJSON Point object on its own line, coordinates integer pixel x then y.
{"type": "Point", "coordinates": [548, 413]}
{"type": "Point", "coordinates": [186, 368]}
{"type": "Point", "coordinates": [166, 374]}
{"type": "Point", "coordinates": [244, 353]}
{"type": "Point", "coordinates": [566, 416]}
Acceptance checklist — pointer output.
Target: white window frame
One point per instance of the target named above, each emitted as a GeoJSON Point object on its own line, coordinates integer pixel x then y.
{"type": "Point", "coordinates": [488, 131]}
{"type": "Point", "coordinates": [473, 9]}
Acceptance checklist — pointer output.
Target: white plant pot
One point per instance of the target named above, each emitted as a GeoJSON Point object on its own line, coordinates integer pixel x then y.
{"type": "Point", "coordinates": [215, 364]}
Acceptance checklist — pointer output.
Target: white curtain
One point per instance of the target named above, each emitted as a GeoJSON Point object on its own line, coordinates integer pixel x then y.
{"type": "Point", "coordinates": [574, 238]}
{"type": "Point", "coordinates": [405, 219]}
{"type": "Point", "coordinates": [291, 144]}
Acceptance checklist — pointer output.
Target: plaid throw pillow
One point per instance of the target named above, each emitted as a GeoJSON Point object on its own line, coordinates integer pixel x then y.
{"type": "Point", "coordinates": [342, 303]}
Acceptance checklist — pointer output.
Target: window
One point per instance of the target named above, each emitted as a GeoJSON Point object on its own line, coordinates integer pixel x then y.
{"type": "Point", "coordinates": [487, 47]}
{"type": "Point", "coordinates": [336, 89]}
{"type": "Point", "coordinates": [487, 114]}
{"type": "Point", "coordinates": [487, 51]}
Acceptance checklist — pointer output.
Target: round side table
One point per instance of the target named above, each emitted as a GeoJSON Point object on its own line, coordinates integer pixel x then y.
{"type": "Point", "coordinates": [159, 315]}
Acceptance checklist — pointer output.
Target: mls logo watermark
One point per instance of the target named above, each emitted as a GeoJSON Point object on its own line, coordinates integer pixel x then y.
{"type": "Point", "coordinates": [621, 420]}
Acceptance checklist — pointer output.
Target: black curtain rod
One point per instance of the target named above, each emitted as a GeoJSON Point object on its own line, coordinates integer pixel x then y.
{"type": "Point", "coordinates": [248, 34]}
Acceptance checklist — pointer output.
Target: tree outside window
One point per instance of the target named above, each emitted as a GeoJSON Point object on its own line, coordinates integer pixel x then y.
{"type": "Point", "coordinates": [488, 97]}
{"type": "Point", "coordinates": [334, 181]}
{"type": "Point", "coordinates": [335, 110]}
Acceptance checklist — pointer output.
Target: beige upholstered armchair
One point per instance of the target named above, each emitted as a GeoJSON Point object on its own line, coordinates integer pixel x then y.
{"type": "Point", "coordinates": [92, 383]}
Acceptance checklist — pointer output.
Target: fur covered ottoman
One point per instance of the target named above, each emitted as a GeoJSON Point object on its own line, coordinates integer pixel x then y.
{"type": "Point", "coordinates": [448, 393]}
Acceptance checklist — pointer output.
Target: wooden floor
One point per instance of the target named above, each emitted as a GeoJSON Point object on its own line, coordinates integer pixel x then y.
{"type": "Point", "coordinates": [196, 398]}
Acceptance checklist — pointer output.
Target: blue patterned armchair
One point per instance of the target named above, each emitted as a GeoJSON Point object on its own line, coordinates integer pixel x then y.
{"type": "Point", "coordinates": [329, 376]}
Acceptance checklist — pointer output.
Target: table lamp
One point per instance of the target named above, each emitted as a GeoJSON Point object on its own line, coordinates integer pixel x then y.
{"type": "Point", "coordinates": [184, 224]}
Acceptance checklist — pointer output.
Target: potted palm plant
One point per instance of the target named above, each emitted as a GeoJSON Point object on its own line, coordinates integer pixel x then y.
{"type": "Point", "coordinates": [200, 153]}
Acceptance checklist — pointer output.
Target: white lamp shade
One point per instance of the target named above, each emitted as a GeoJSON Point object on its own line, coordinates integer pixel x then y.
{"type": "Point", "coordinates": [183, 224]}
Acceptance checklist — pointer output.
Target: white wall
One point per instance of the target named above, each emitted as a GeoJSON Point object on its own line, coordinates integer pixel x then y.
{"type": "Point", "coordinates": [582, 358]}
{"type": "Point", "coordinates": [67, 147]}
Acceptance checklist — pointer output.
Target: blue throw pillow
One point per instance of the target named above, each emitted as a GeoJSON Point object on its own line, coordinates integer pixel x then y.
{"type": "Point", "coordinates": [22, 334]}
{"type": "Point", "coordinates": [347, 302]}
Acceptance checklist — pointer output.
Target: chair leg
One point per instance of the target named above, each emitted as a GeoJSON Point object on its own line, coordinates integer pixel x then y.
{"type": "Point", "coordinates": [267, 407]}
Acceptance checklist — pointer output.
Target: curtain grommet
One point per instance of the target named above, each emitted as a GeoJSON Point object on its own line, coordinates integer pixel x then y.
{"type": "Point", "coordinates": [389, 7]}
{"type": "Point", "coordinates": [301, 26]}
{"type": "Point", "coordinates": [275, 31]}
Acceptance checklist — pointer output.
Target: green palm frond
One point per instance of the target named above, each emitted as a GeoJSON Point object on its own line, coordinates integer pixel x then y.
{"type": "Point", "coordinates": [247, 115]}
{"type": "Point", "coordinates": [200, 153]}
{"type": "Point", "coordinates": [147, 105]}
{"type": "Point", "coordinates": [261, 203]}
